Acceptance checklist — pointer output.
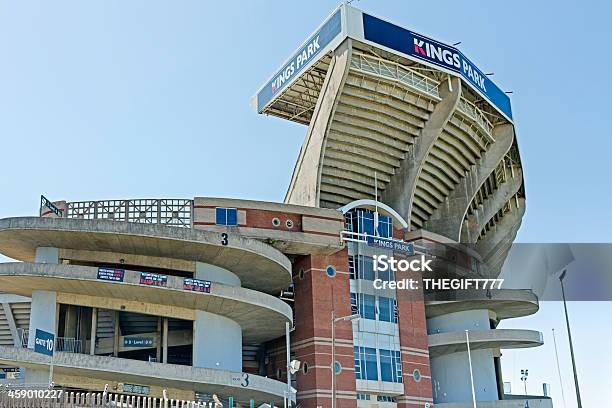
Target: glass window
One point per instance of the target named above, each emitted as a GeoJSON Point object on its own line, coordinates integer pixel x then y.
{"type": "Point", "coordinates": [226, 216]}
{"type": "Point", "coordinates": [385, 226]}
{"type": "Point", "coordinates": [387, 275]}
{"type": "Point", "coordinates": [384, 309]}
{"type": "Point", "coordinates": [390, 366]}
{"type": "Point", "coordinates": [351, 265]}
{"type": "Point", "coordinates": [365, 269]}
{"type": "Point", "coordinates": [366, 367]}
{"type": "Point", "coordinates": [367, 306]}
{"type": "Point", "coordinates": [354, 305]}
{"type": "Point", "coordinates": [365, 222]}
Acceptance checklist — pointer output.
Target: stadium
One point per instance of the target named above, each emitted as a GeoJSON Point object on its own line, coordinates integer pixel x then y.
{"type": "Point", "coordinates": [410, 151]}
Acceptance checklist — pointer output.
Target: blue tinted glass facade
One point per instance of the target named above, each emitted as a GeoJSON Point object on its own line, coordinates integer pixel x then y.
{"type": "Point", "coordinates": [226, 216]}
{"type": "Point", "coordinates": [390, 366]}
{"type": "Point", "coordinates": [366, 365]}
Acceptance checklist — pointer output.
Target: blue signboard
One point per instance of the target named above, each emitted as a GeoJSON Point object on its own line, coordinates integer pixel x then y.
{"type": "Point", "coordinates": [44, 202]}
{"type": "Point", "coordinates": [111, 274]}
{"type": "Point", "coordinates": [138, 342]}
{"type": "Point", "coordinates": [153, 279]}
{"type": "Point", "coordinates": [305, 55]}
{"type": "Point", "coordinates": [406, 247]}
{"type": "Point", "coordinates": [197, 285]}
{"type": "Point", "coordinates": [44, 342]}
{"type": "Point", "coordinates": [434, 52]}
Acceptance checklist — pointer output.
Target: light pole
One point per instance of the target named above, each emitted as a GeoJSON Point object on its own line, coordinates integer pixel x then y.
{"type": "Point", "coordinates": [467, 341]}
{"type": "Point", "coordinates": [569, 335]}
{"type": "Point", "coordinates": [335, 320]}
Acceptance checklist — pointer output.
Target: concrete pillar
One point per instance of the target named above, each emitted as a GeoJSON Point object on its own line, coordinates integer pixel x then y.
{"type": "Point", "coordinates": [448, 218]}
{"type": "Point", "coordinates": [47, 255]}
{"type": "Point", "coordinates": [116, 334]}
{"type": "Point", "coordinates": [94, 328]}
{"type": "Point", "coordinates": [165, 340]}
{"type": "Point", "coordinates": [217, 342]}
{"type": "Point", "coordinates": [214, 273]}
{"type": "Point", "coordinates": [158, 354]}
{"type": "Point", "coordinates": [43, 314]}
{"type": "Point", "coordinates": [399, 193]}
{"type": "Point", "coordinates": [450, 372]}
{"type": "Point", "coordinates": [451, 377]}
{"type": "Point", "coordinates": [304, 186]}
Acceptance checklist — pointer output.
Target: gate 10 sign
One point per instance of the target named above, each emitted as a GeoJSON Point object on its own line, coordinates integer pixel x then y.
{"type": "Point", "coordinates": [44, 342]}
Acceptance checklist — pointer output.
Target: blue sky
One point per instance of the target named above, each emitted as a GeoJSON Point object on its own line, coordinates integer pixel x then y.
{"type": "Point", "coordinates": [113, 99]}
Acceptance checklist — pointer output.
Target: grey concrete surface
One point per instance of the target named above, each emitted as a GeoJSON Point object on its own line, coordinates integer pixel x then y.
{"type": "Point", "coordinates": [453, 342]}
{"type": "Point", "coordinates": [203, 380]}
{"type": "Point", "coordinates": [304, 186]}
{"type": "Point", "coordinates": [246, 307]}
{"type": "Point", "coordinates": [258, 265]}
{"type": "Point", "coordinates": [399, 194]}
{"type": "Point", "coordinates": [505, 303]}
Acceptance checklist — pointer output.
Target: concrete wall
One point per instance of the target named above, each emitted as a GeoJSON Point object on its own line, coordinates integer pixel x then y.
{"type": "Point", "coordinates": [47, 255]}
{"type": "Point", "coordinates": [43, 314]}
{"type": "Point", "coordinates": [459, 321]}
{"type": "Point", "coordinates": [216, 274]}
{"type": "Point", "coordinates": [217, 342]}
{"type": "Point", "coordinates": [451, 377]}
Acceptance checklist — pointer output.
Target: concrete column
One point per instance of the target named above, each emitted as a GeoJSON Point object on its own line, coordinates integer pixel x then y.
{"type": "Point", "coordinates": [47, 255]}
{"type": "Point", "coordinates": [477, 221]}
{"type": "Point", "coordinates": [399, 193]}
{"type": "Point", "coordinates": [43, 314]}
{"type": "Point", "coordinates": [8, 312]}
{"type": "Point", "coordinates": [304, 186]}
{"type": "Point", "coordinates": [158, 354]}
{"type": "Point", "coordinates": [448, 218]}
{"type": "Point", "coordinates": [116, 334]}
{"type": "Point", "coordinates": [165, 340]}
{"type": "Point", "coordinates": [216, 274]}
{"type": "Point", "coordinates": [94, 327]}
{"type": "Point", "coordinates": [217, 342]}
{"type": "Point", "coordinates": [450, 372]}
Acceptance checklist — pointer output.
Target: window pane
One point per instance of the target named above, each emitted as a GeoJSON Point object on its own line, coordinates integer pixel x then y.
{"type": "Point", "coordinates": [366, 222]}
{"type": "Point", "coordinates": [366, 268]}
{"type": "Point", "coordinates": [370, 363]}
{"type": "Point", "coordinates": [386, 368]}
{"type": "Point", "coordinates": [221, 216]}
{"type": "Point", "coordinates": [232, 216]}
{"type": "Point", "coordinates": [367, 306]}
{"type": "Point", "coordinates": [384, 308]}
{"type": "Point", "coordinates": [385, 226]}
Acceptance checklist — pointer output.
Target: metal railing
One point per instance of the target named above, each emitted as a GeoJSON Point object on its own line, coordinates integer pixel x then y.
{"type": "Point", "coordinates": [57, 398]}
{"type": "Point", "coordinates": [391, 70]}
{"type": "Point", "coordinates": [473, 112]}
{"type": "Point", "coordinates": [65, 344]}
{"type": "Point", "coordinates": [174, 212]}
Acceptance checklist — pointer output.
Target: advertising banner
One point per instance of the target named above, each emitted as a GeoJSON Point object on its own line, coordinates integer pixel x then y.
{"type": "Point", "coordinates": [153, 279]}
{"type": "Point", "coordinates": [434, 52]}
{"type": "Point", "coordinates": [111, 274]}
{"type": "Point", "coordinates": [300, 60]}
{"type": "Point", "coordinates": [197, 285]}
